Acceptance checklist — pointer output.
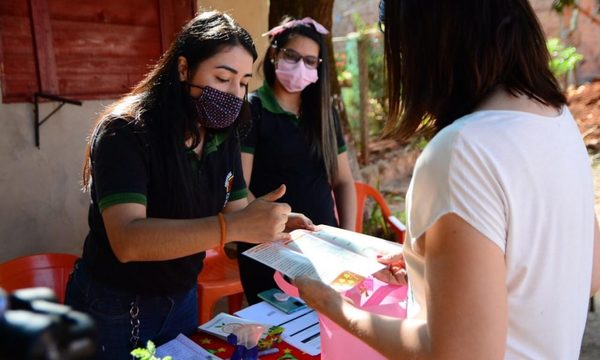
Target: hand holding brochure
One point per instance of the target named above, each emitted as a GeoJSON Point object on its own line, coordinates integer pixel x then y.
{"type": "Point", "coordinates": [338, 257]}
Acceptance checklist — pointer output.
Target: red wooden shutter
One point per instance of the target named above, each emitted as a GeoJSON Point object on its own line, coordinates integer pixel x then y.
{"type": "Point", "coordinates": [99, 49]}
{"type": "Point", "coordinates": [18, 73]}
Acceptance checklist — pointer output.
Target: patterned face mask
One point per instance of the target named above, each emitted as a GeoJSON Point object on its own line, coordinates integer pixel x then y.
{"type": "Point", "coordinates": [216, 109]}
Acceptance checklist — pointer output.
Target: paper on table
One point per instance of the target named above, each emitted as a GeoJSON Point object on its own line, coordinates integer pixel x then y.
{"type": "Point", "coordinates": [224, 324]}
{"type": "Point", "coordinates": [264, 313]}
{"type": "Point", "coordinates": [301, 328]}
{"type": "Point", "coordinates": [183, 348]}
{"type": "Point", "coordinates": [307, 340]}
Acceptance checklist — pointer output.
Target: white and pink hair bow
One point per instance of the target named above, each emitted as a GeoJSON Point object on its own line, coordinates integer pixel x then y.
{"type": "Point", "coordinates": [290, 24]}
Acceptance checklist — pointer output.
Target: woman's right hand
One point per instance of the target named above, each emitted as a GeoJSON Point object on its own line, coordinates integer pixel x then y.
{"type": "Point", "coordinates": [261, 221]}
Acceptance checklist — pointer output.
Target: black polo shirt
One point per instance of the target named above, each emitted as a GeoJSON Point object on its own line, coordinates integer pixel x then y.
{"type": "Point", "coordinates": [123, 171]}
{"type": "Point", "coordinates": [282, 156]}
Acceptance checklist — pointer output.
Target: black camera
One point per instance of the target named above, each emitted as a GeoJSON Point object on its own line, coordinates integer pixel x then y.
{"type": "Point", "coordinates": [33, 326]}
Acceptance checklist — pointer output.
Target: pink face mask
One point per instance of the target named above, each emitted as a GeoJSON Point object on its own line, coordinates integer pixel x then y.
{"type": "Point", "coordinates": [295, 77]}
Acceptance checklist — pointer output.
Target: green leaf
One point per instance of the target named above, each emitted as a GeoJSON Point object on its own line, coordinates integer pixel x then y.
{"type": "Point", "coordinates": [140, 353]}
{"type": "Point", "coordinates": [559, 5]}
{"type": "Point", "coordinates": [148, 352]}
{"type": "Point", "coordinates": [151, 347]}
{"type": "Point", "coordinates": [563, 59]}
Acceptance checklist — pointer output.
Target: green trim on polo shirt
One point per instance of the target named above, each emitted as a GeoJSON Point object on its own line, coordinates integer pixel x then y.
{"type": "Point", "coordinates": [247, 149]}
{"type": "Point", "coordinates": [238, 194]}
{"type": "Point", "coordinates": [214, 142]}
{"type": "Point", "coordinates": [269, 103]}
{"type": "Point", "coordinates": [122, 198]}
{"type": "Point", "coordinates": [342, 149]}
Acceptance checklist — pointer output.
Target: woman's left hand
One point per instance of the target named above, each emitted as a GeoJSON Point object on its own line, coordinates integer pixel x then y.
{"type": "Point", "coordinates": [395, 273]}
{"type": "Point", "coordinates": [317, 295]}
{"type": "Point", "coordinates": [299, 221]}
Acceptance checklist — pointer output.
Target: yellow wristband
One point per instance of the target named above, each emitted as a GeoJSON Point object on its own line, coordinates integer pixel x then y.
{"type": "Point", "coordinates": [223, 227]}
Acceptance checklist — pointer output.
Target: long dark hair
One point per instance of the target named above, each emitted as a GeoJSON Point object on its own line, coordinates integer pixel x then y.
{"type": "Point", "coordinates": [444, 57]}
{"type": "Point", "coordinates": [161, 102]}
{"type": "Point", "coordinates": [316, 112]}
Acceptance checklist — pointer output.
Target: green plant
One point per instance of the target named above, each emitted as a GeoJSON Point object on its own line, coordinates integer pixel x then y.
{"type": "Point", "coordinates": [345, 78]}
{"type": "Point", "coordinates": [560, 5]}
{"type": "Point", "coordinates": [375, 224]}
{"type": "Point", "coordinates": [348, 70]}
{"type": "Point", "coordinates": [419, 143]}
{"type": "Point", "coordinates": [147, 353]}
{"type": "Point", "coordinates": [562, 58]}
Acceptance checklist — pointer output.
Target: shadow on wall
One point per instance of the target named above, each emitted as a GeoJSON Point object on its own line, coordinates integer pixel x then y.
{"type": "Point", "coordinates": [42, 208]}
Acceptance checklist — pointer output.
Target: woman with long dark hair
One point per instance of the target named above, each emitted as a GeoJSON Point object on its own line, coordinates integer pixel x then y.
{"type": "Point", "coordinates": [296, 138]}
{"type": "Point", "coordinates": [503, 249]}
{"type": "Point", "coordinates": [164, 171]}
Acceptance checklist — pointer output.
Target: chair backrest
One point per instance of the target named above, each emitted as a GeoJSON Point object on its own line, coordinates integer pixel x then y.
{"type": "Point", "coordinates": [43, 270]}
{"type": "Point", "coordinates": [364, 191]}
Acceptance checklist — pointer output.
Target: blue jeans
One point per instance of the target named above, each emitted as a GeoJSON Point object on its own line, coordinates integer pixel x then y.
{"type": "Point", "coordinates": [161, 318]}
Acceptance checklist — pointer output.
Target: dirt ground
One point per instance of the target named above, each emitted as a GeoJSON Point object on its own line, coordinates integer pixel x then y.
{"type": "Point", "coordinates": [584, 103]}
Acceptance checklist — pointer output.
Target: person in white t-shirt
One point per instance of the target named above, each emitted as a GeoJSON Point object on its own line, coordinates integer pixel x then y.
{"type": "Point", "coordinates": [503, 248]}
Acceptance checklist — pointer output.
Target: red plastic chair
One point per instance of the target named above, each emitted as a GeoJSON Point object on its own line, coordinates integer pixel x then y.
{"type": "Point", "coordinates": [219, 277]}
{"type": "Point", "coordinates": [363, 191]}
{"type": "Point", "coordinates": [43, 270]}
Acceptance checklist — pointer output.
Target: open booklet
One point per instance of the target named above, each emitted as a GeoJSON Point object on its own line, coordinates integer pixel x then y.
{"type": "Point", "coordinates": [184, 348]}
{"type": "Point", "coordinates": [224, 324]}
{"type": "Point", "coordinates": [338, 257]}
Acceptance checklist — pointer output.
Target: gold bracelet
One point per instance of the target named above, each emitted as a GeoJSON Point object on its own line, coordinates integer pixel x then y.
{"type": "Point", "coordinates": [223, 227]}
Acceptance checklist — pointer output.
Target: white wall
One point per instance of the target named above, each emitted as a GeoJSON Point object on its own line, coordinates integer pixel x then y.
{"type": "Point", "coordinates": [42, 208]}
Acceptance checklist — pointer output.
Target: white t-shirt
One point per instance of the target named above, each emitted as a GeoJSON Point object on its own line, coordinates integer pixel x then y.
{"type": "Point", "coordinates": [524, 181]}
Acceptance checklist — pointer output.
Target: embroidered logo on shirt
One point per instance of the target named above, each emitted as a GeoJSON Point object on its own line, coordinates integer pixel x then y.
{"type": "Point", "coordinates": [228, 185]}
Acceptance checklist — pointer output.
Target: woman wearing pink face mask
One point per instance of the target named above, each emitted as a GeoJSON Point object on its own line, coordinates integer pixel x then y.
{"type": "Point", "coordinates": [296, 139]}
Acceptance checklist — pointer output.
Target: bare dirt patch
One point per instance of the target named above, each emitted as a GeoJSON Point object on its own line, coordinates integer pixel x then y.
{"type": "Point", "coordinates": [584, 103]}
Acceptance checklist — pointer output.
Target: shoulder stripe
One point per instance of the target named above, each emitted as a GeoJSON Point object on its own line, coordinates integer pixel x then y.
{"type": "Point", "coordinates": [122, 198]}
{"type": "Point", "coordinates": [247, 149]}
{"type": "Point", "coordinates": [238, 194]}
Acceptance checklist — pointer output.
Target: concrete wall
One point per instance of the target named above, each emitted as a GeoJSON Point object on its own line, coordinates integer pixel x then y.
{"type": "Point", "coordinates": [252, 15]}
{"type": "Point", "coordinates": [42, 208]}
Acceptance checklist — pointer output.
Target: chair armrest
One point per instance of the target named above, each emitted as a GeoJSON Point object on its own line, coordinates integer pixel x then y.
{"type": "Point", "coordinates": [397, 223]}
